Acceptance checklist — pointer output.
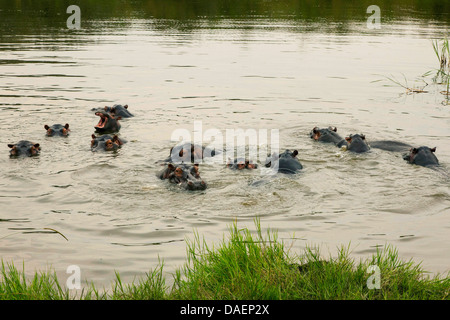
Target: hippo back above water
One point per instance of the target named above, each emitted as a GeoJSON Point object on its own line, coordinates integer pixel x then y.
{"type": "Point", "coordinates": [24, 148]}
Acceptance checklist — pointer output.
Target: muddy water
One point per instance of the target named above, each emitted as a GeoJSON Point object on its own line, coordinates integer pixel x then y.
{"type": "Point", "coordinates": [253, 73]}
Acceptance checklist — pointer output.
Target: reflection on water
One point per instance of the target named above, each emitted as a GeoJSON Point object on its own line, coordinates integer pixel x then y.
{"type": "Point", "coordinates": [285, 65]}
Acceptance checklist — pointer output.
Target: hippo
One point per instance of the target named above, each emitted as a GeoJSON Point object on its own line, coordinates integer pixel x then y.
{"type": "Point", "coordinates": [422, 156]}
{"type": "Point", "coordinates": [57, 130]}
{"type": "Point", "coordinates": [106, 143]}
{"type": "Point", "coordinates": [285, 162]}
{"type": "Point", "coordinates": [357, 143]}
{"type": "Point", "coordinates": [107, 123]}
{"type": "Point", "coordinates": [241, 163]}
{"type": "Point", "coordinates": [24, 148]}
{"type": "Point", "coordinates": [390, 145]}
{"type": "Point", "coordinates": [189, 152]}
{"type": "Point", "coordinates": [328, 135]}
{"type": "Point", "coordinates": [116, 110]}
{"type": "Point", "coordinates": [186, 176]}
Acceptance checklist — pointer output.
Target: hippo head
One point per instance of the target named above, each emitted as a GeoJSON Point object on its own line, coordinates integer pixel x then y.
{"type": "Point", "coordinates": [357, 143]}
{"type": "Point", "coordinates": [422, 156]}
{"type": "Point", "coordinates": [57, 130]}
{"type": "Point", "coordinates": [24, 148]}
{"type": "Point", "coordinates": [107, 122]}
{"type": "Point", "coordinates": [184, 175]}
{"type": "Point", "coordinates": [118, 110]}
{"type": "Point", "coordinates": [327, 135]}
{"type": "Point", "coordinates": [189, 152]}
{"type": "Point", "coordinates": [319, 134]}
{"type": "Point", "coordinates": [106, 143]}
{"type": "Point", "coordinates": [285, 162]}
{"type": "Point", "coordinates": [241, 164]}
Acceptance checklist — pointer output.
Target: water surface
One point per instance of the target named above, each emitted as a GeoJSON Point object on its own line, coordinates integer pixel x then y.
{"type": "Point", "coordinates": [283, 67]}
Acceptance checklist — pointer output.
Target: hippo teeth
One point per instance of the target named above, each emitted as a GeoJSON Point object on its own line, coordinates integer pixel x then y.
{"type": "Point", "coordinates": [101, 123]}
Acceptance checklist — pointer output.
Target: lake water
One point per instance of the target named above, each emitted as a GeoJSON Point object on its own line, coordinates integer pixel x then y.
{"type": "Point", "coordinates": [251, 71]}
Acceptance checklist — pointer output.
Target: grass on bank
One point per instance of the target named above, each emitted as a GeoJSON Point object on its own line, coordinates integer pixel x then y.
{"type": "Point", "coordinates": [250, 266]}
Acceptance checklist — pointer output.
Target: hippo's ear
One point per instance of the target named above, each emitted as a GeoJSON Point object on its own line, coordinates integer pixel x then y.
{"type": "Point", "coordinates": [433, 149]}
{"type": "Point", "coordinates": [413, 150]}
{"type": "Point", "coordinates": [66, 126]}
{"type": "Point", "coordinates": [125, 106]}
{"type": "Point", "coordinates": [46, 127]}
{"type": "Point", "coordinates": [315, 130]}
{"type": "Point", "coordinates": [10, 145]}
{"type": "Point", "coordinates": [348, 139]}
{"type": "Point", "coordinates": [295, 153]}
{"type": "Point", "coordinates": [171, 166]}
{"type": "Point", "coordinates": [335, 129]}
{"type": "Point", "coordinates": [363, 137]}
{"type": "Point", "coordinates": [36, 145]}
{"type": "Point", "coordinates": [93, 136]}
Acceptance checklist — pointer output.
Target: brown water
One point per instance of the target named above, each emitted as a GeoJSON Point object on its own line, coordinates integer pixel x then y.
{"type": "Point", "coordinates": [249, 73]}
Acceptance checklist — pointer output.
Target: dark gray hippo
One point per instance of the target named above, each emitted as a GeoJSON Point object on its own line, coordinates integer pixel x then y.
{"type": "Point", "coordinates": [241, 163]}
{"type": "Point", "coordinates": [328, 135]}
{"type": "Point", "coordinates": [24, 148]}
{"type": "Point", "coordinates": [116, 110]}
{"type": "Point", "coordinates": [106, 143]}
{"type": "Point", "coordinates": [189, 152]}
{"type": "Point", "coordinates": [184, 175]}
{"type": "Point", "coordinates": [57, 130]}
{"type": "Point", "coordinates": [285, 162]}
{"type": "Point", "coordinates": [357, 143]}
{"type": "Point", "coordinates": [422, 156]}
{"type": "Point", "coordinates": [119, 110]}
{"type": "Point", "coordinates": [107, 123]}
{"type": "Point", "coordinates": [390, 145]}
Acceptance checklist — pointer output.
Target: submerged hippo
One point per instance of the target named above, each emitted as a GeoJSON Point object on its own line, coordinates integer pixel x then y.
{"type": "Point", "coordinates": [107, 123]}
{"type": "Point", "coordinates": [57, 130]}
{"type": "Point", "coordinates": [357, 143]}
{"type": "Point", "coordinates": [106, 143]}
{"type": "Point", "coordinates": [285, 162]}
{"type": "Point", "coordinates": [186, 176]}
{"type": "Point", "coordinates": [241, 163]}
{"type": "Point", "coordinates": [24, 148]}
{"type": "Point", "coordinates": [422, 156]}
{"type": "Point", "coordinates": [189, 152]}
{"type": "Point", "coordinates": [328, 135]}
{"type": "Point", "coordinates": [390, 145]}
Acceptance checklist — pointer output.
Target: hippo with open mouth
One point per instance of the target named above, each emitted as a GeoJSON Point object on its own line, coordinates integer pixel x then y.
{"type": "Point", "coordinates": [24, 148]}
{"type": "Point", "coordinates": [57, 130]}
{"type": "Point", "coordinates": [107, 123]}
{"type": "Point", "coordinates": [285, 162]}
{"type": "Point", "coordinates": [106, 143]}
{"type": "Point", "coordinates": [422, 156]}
{"type": "Point", "coordinates": [186, 176]}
